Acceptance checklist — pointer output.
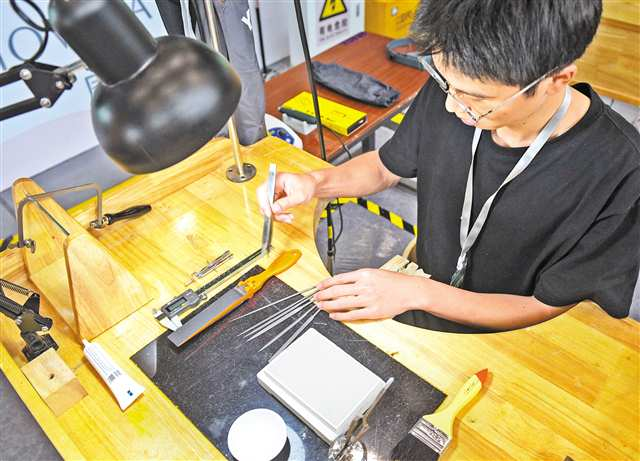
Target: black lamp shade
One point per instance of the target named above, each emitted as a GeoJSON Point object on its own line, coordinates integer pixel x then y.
{"type": "Point", "coordinates": [159, 100]}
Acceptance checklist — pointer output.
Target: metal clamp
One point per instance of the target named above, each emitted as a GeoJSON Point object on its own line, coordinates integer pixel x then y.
{"type": "Point", "coordinates": [349, 446]}
{"type": "Point", "coordinates": [98, 223]}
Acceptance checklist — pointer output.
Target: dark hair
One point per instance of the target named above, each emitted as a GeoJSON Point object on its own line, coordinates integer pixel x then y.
{"type": "Point", "coordinates": [509, 41]}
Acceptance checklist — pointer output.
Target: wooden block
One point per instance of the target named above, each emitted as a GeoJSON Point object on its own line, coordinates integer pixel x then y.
{"type": "Point", "coordinates": [394, 264]}
{"type": "Point", "coordinates": [404, 266]}
{"type": "Point", "coordinates": [103, 291]}
{"type": "Point", "coordinates": [54, 381]}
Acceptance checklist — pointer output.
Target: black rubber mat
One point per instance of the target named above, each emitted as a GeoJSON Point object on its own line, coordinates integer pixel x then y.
{"type": "Point", "coordinates": [212, 379]}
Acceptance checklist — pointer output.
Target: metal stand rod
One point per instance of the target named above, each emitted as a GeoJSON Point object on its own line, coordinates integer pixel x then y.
{"type": "Point", "coordinates": [235, 144]}
{"type": "Point", "coordinates": [240, 175]}
{"type": "Point", "coordinates": [331, 249]}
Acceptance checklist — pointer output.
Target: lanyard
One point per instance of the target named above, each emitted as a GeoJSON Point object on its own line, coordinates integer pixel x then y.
{"type": "Point", "coordinates": [468, 237]}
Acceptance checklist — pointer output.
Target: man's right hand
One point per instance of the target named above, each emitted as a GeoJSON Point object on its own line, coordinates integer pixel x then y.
{"type": "Point", "coordinates": [291, 190]}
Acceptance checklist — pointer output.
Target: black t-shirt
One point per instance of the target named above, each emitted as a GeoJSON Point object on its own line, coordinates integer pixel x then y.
{"type": "Point", "coordinates": [566, 229]}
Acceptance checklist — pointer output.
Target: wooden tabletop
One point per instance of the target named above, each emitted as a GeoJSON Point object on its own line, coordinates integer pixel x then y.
{"type": "Point", "coordinates": [365, 53]}
{"type": "Point", "coordinates": [567, 387]}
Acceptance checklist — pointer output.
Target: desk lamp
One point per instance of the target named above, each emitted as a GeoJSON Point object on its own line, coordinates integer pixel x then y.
{"type": "Point", "coordinates": [158, 100]}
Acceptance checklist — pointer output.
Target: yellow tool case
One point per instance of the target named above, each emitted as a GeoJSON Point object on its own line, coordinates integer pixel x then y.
{"type": "Point", "coordinates": [337, 117]}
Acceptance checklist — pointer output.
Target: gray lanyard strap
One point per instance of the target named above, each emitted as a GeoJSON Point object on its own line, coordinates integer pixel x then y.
{"type": "Point", "coordinates": [468, 237]}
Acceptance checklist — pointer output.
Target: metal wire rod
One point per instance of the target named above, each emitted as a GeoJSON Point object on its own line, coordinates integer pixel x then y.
{"type": "Point", "coordinates": [293, 324]}
{"type": "Point", "coordinates": [274, 316]}
{"type": "Point", "coordinates": [278, 322]}
{"type": "Point", "coordinates": [275, 302]}
{"type": "Point", "coordinates": [295, 334]}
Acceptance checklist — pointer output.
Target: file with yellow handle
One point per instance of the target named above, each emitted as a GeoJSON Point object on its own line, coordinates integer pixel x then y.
{"type": "Point", "coordinates": [231, 299]}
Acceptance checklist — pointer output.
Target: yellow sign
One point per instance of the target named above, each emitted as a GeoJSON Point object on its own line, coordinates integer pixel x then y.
{"type": "Point", "coordinates": [332, 8]}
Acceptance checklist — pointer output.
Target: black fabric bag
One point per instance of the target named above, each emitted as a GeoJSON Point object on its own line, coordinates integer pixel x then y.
{"type": "Point", "coordinates": [354, 84]}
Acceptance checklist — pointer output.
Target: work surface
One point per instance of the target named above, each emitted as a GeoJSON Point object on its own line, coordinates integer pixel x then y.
{"type": "Point", "coordinates": [365, 53]}
{"type": "Point", "coordinates": [232, 387]}
{"type": "Point", "coordinates": [568, 387]}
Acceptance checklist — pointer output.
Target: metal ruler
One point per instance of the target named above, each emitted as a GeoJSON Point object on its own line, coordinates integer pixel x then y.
{"type": "Point", "coordinates": [168, 315]}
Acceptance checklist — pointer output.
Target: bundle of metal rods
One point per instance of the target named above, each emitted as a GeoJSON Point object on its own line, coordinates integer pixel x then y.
{"type": "Point", "coordinates": [305, 304]}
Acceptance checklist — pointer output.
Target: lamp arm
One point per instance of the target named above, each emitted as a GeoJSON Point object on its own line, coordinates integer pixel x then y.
{"type": "Point", "coordinates": [46, 83]}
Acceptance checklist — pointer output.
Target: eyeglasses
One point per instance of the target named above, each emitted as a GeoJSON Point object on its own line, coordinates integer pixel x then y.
{"type": "Point", "coordinates": [427, 63]}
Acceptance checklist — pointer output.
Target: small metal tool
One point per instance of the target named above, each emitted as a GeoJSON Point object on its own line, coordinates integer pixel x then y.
{"type": "Point", "coordinates": [279, 321]}
{"type": "Point", "coordinates": [267, 226]}
{"type": "Point", "coordinates": [253, 328]}
{"type": "Point", "coordinates": [273, 317]}
{"type": "Point", "coordinates": [349, 443]}
{"type": "Point", "coordinates": [210, 266]}
{"type": "Point", "coordinates": [273, 303]}
{"type": "Point", "coordinates": [167, 315]}
{"type": "Point", "coordinates": [293, 324]}
{"type": "Point", "coordinates": [295, 334]}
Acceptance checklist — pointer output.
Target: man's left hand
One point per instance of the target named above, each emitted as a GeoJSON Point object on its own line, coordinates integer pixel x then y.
{"type": "Point", "coordinates": [369, 294]}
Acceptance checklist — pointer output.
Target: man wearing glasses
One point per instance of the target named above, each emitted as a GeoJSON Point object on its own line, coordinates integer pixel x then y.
{"type": "Point", "coordinates": [528, 187]}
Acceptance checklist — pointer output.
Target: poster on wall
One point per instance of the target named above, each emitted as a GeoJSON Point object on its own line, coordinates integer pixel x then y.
{"type": "Point", "coordinates": [33, 142]}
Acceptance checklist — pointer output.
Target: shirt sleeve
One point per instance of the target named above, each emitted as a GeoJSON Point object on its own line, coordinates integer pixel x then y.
{"type": "Point", "coordinates": [602, 266]}
{"type": "Point", "coordinates": [400, 153]}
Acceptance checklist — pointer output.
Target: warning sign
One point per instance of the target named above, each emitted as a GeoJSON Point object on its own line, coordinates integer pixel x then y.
{"type": "Point", "coordinates": [332, 8]}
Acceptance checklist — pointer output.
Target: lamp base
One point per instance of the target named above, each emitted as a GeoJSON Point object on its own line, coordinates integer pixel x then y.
{"type": "Point", "coordinates": [233, 174]}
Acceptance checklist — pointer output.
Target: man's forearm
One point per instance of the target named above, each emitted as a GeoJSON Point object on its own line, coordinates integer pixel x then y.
{"type": "Point", "coordinates": [363, 175]}
{"type": "Point", "coordinates": [489, 310]}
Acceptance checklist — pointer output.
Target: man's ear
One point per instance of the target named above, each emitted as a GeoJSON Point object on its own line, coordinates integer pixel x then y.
{"type": "Point", "coordinates": [562, 78]}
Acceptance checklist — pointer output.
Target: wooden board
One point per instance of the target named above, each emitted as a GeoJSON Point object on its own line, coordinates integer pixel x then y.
{"type": "Point", "coordinates": [103, 291]}
{"type": "Point", "coordinates": [568, 386]}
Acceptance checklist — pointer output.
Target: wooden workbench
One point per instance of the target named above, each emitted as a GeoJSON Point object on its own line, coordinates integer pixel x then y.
{"type": "Point", "coordinates": [611, 63]}
{"type": "Point", "coordinates": [364, 53]}
{"type": "Point", "coordinates": [568, 387]}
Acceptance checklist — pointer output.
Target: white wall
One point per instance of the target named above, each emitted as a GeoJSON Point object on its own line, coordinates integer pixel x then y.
{"type": "Point", "coordinates": [280, 29]}
{"type": "Point", "coordinates": [274, 16]}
